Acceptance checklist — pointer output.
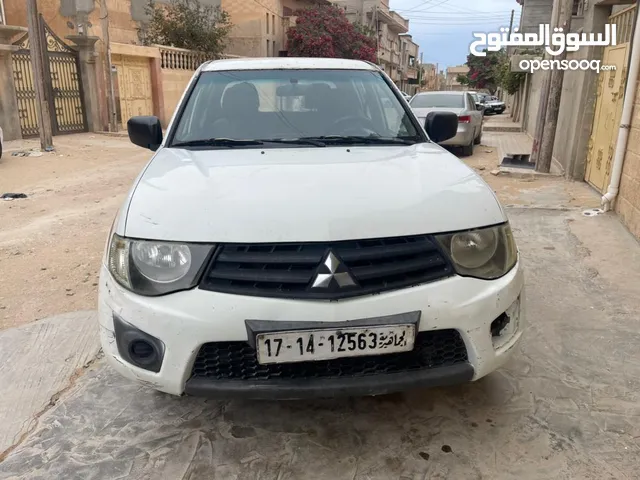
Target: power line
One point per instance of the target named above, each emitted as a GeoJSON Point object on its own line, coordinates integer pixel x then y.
{"type": "Point", "coordinates": [423, 4]}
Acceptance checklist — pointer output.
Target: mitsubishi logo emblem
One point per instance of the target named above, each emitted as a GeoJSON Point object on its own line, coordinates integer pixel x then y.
{"type": "Point", "coordinates": [331, 273]}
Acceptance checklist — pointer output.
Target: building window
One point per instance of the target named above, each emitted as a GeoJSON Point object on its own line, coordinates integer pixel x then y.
{"type": "Point", "coordinates": [267, 49]}
{"type": "Point", "coordinates": [273, 44]}
{"type": "Point", "coordinates": [273, 25]}
{"type": "Point", "coordinates": [2, 21]}
{"type": "Point", "coordinates": [267, 23]}
{"type": "Point", "coordinates": [578, 8]}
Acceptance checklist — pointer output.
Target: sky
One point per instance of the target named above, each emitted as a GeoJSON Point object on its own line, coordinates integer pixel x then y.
{"type": "Point", "coordinates": [444, 28]}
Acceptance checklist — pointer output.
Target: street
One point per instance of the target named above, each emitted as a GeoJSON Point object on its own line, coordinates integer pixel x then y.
{"type": "Point", "coordinates": [565, 407]}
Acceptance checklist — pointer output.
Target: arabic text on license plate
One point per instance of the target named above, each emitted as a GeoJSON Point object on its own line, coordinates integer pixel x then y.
{"type": "Point", "coordinates": [310, 345]}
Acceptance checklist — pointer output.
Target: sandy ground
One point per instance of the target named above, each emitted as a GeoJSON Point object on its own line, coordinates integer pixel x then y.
{"type": "Point", "coordinates": [51, 243]}
{"type": "Point", "coordinates": [530, 190]}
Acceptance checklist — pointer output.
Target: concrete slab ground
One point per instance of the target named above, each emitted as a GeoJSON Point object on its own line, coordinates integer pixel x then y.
{"type": "Point", "coordinates": [39, 362]}
{"type": "Point", "coordinates": [567, 406]}
{"type": "Point", "coordinates": [509, 144]}
{"type": "Point", "coordinates": [501, 123]}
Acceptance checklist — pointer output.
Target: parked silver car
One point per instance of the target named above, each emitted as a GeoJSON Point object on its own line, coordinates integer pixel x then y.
{"type": "Point", "coordinates": [495, 105]}
{"type": "Point", "coordinates": [460, 103]}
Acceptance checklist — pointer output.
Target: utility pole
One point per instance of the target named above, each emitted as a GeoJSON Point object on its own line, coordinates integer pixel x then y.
{"type": "Point", "coordinates": [363, 14]}
{"type": "Point", "coordinates": [37, 62]}
{"type": "Point", "coordinates": [111, 104]}
{"type": "Point", "coordinates": [543, 162]}
{"type": "Point", "coordinates": [544, 94]}
{"type": "Point", "coordinates": [513, 12]}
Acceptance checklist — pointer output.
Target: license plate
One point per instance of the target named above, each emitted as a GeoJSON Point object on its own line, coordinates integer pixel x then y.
{"type": "Point", "coordinates": [311, 345]}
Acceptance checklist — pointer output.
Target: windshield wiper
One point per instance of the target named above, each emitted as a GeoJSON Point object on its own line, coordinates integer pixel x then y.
{"type": "Point", "coordinates": [369, 140]}
{"type": "Point", "coordinates": [295, 141]}
{"type": "Point", "coordinates": [217, 142]}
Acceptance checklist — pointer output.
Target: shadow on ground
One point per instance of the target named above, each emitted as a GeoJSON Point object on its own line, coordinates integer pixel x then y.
{"type": "Point", "coordinates": [567, 406]}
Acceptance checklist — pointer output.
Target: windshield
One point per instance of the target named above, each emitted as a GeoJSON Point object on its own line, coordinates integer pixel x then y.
{"type": "Point", "coordinates": [255, 106]}
{"type": "Point", "coordinates": [438, 100]}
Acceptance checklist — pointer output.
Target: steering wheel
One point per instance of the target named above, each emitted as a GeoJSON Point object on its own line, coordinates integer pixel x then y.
{"type": "Point", "coordinates": [353, 123]}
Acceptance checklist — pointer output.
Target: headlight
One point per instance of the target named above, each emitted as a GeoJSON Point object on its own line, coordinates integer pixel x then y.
{"type": "Point", "coordinates": [486, 253]}
{"type": "Point", "coordinates": [150, 267]}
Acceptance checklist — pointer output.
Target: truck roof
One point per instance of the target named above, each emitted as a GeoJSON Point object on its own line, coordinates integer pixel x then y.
{"type": "Point", "coordinates": [287, 63]}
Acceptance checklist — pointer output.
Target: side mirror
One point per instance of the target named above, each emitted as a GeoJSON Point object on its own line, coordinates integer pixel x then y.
{"type": "Point", "coordinates": [146, 132]}
{"type": "Point", "coordinates": [479, 107]}
{"type": "Point", "coordinates": [441, 126]}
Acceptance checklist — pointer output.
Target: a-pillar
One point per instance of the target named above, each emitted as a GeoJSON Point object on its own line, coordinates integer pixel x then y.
{"type": "Point", "coordinates": [85, 46]}
{"type": "Point", "coordinates": [9, 113]}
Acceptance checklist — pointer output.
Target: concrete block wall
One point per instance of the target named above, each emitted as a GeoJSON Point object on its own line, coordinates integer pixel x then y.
{"type": "Point", "coordinates": [628, 202]}
{"type": "Point", "coordinates": [535, 92]}
{"type": "Point", "coordinates": [173, 85]}
{"type": "Point", "coordinates": [577, 106]}
{"type": "Point", "coordinates": [534, 13]}
{"type": "Point", "coordinates": [249, 35]}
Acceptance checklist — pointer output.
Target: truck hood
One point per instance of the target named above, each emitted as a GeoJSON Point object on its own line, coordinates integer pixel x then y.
{"type": "Point", "coordinates": [306, 194]}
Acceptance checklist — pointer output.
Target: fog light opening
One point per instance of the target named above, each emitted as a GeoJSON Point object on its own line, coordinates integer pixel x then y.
{"type": "Point", "coordinates": [142, 352]}
{"type": "Point", "coordinates": [499, 325]}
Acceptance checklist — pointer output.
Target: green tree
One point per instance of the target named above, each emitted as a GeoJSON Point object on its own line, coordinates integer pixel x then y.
{"type": "Point", "coordinates": [484, 72]}
{"type": "Point", "coordinates": [187, 24]}
{"type": "Point", "coordinates": [462, 79]}
{"type": "Point", "coordinates": [491, 72]}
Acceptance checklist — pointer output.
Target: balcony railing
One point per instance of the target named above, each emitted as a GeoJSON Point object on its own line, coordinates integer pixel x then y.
{"type": "Point", "coordinates": [398, 18]}
{"type": "Point", "coordinates": [394, 21]}
{"type": "Point", "coordinates": [173, 58]}
{"type": "Point", "coordinates": [180, 58]}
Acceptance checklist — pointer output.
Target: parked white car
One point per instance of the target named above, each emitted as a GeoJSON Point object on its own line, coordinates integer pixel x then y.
{"type": "Point", "coordinates": [470, 116]}
{"type": "Point", "coordinates": [275, 248]}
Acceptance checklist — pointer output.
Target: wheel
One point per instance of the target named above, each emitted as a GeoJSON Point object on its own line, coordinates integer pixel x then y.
{"type": "Point", "coordinates": [467, 150]}
{"type": "Point", "coordinates": [478, 139]}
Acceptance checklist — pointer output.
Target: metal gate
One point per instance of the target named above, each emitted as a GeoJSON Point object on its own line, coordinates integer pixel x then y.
{"type": "Point", "coordinates": [62, 85]}
{"type": "Point", "coordinates": [609, 102]}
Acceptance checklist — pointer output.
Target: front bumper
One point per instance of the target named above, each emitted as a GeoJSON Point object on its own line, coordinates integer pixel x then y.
{"type": "Point", "coordinates": [357, 386]}
{"type": "Point", "coordinates": [185, 321]}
